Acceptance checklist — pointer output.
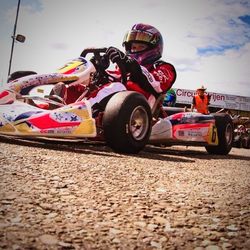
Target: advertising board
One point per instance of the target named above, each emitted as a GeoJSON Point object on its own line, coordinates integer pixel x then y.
{"type": "Point", "coordinates": [185, 96]}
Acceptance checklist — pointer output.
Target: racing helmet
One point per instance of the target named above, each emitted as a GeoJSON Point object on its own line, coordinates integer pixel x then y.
{"type": "Point", "coordinates": [170, 98]}
{"type": "Point", "coordinates": [149, 35]}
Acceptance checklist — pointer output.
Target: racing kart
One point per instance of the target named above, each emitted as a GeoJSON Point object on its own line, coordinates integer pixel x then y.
{"type": "Point", "coordinates": [126, 123]}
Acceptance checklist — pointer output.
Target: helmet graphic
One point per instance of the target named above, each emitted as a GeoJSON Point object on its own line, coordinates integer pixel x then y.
{"type": "Point", "coordinates": [149, 35]}
{"type": "Point", "coordinates": [170, 98]}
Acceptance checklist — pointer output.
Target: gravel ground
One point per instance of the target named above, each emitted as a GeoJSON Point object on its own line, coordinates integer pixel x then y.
{"type": "Point", "coordinates": [56, 195]}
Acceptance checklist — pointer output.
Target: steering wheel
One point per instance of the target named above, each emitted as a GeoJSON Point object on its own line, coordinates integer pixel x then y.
{"type": "Point", "coordinates": [102, 63]}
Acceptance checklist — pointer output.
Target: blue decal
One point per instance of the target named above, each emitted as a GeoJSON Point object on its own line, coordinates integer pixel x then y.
{"type": "Point", "coordinates": [26, 115]}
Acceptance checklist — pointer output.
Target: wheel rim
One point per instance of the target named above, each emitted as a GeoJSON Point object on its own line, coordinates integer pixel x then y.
{"type": "Point", "coordinates": [229, 134]}
{"type": "Point", "coordinates": [139, 123]}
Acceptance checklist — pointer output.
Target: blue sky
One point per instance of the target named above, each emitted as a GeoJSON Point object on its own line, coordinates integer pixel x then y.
{"type": "Point", "coordinates": [208, 41]}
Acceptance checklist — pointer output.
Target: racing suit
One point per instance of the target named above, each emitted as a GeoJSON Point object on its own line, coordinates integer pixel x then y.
{"type": "Point", "coordinates": [151, 81]}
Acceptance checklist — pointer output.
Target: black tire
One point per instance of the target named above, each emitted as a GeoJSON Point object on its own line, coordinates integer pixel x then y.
{"type": "Point", "coordinates": [248, 143]}
{"type": "Point", "coordinates": [127, 122]}
{"type": "Point", "coordinates": [245, 142]}
{"type": "Point", "coordinates": [225, 128]}
{"type": "Point", "coordinates": [238, 142]}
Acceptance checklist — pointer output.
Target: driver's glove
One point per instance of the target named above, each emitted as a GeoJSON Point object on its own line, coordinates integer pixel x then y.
{"type": "Point", "coordinates": [132, 67]}
{"type": "Point", "coordinates": [116, 56]}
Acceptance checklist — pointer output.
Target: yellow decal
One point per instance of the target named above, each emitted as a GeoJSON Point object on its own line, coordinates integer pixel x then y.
{"type": "Point", "coordinates": [69, 66]}
{"type": "Point", "coordinates": [82, 113]}
{"type": "Point", "coordinates": [213, 135]}
{"type": "Point", "coordinates": [23, 128]}
{"type": "Point", "coordinates": [7, 128]}
{"type": "Point", "coordinates": [87, 127]}
{"type": "Point", "coordinates": [40, 90]}
{"type": "Point", "coordinates": [63, 79]}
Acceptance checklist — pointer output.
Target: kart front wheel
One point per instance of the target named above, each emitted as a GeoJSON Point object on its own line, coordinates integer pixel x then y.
{"type": "Point", "coordinates": [127, 122]}
{"type": "Point", "coordinates": [225, 129]}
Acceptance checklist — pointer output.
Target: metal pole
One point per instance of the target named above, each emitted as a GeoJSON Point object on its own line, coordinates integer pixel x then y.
{"type": "Point", "coordinates": [13, 37]}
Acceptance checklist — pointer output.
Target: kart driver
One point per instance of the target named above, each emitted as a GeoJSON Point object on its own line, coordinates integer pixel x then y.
{"type": "Point", "coordinates": [147, 74]}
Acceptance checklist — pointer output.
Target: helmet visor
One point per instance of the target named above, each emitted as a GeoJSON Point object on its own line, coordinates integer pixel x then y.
{"type": "Point", "coordinates": [139, 36]}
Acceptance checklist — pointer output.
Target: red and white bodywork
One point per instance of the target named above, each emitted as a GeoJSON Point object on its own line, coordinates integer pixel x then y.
{"type": "Point", "coordinates": [185, 127]}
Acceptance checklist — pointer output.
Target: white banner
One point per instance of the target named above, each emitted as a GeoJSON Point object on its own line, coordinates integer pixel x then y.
{"type": "Point", "coordinates": [185, 96]}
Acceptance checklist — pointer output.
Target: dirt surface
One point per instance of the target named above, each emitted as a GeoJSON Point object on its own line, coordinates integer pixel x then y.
{"type": "Point", "coordinates": [59, 195]}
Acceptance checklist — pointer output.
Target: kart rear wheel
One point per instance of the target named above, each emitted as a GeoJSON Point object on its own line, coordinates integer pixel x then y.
{"type": "Point", "coordinates": [248, 143]}
{"type": "Point", "coordinates": [238, 142]}
{"type": "Point", "coordinates": [245, 142]}
{"type": "Point", "coordinates": [127, 122]}
{"type": "Point", "coordinates": [225, 129]}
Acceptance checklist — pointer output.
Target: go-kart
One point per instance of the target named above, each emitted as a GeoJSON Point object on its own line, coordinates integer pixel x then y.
{"type": "Point", "coordinates": [126, 124]}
